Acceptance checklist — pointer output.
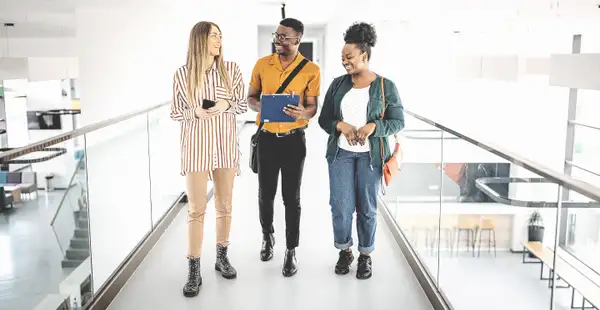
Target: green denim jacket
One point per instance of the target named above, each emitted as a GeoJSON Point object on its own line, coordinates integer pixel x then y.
{"type": "Point", "coordinates": [391, 124]}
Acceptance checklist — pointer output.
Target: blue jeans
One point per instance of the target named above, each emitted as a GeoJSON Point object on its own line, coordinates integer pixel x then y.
{"type": "Point", "coordinates": [354, 185]}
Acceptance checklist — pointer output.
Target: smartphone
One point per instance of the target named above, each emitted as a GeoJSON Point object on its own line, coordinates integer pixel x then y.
{"type": "Point", "coordinates": [207, 104]}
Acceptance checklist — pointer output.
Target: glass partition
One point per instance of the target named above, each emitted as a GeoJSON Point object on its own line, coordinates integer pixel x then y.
{"type": "Point", "coordinates": [118, 168]}
{"type": "Point", "coordinates": [414, 195]}
{"type": "Point", "coordinates": [502, 211]}
{"type": "Point", "coordinates": [80, 210]}
{"type": "Point", "coordinates": [166, 181]}
{"type": "Point", "coordinates": [490, 233]}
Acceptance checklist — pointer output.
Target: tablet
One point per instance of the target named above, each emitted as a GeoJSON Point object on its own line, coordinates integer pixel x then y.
{"type": "Point", "coordinates": [271, 108]}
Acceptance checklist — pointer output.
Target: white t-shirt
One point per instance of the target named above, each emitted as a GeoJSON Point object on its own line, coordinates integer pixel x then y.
{"type": "Point", "coordinates": [354, 112]}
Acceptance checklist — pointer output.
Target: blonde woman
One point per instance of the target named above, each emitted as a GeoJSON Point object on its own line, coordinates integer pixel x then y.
{"type": "Point", "coordinates": [208, 93]}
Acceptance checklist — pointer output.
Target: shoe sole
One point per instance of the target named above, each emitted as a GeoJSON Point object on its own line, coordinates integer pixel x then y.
{"type": "Point", "coordinates": [364, 278]}
{"type": "Point", "coordinates": [193, 294]}
{"type": "Point", "coordinates": [229, 277]}
{"type": "Point", "coordinates": [287, 275]}
{"type": "Point", "coordinates": [266, 259]}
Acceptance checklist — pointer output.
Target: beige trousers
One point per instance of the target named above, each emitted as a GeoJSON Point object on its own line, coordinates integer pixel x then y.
{"type": "Point", "coordinates": [196, 192]}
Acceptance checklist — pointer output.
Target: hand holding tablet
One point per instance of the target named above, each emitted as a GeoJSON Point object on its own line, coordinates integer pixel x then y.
{"type": "Point", "coordinates": [295, 111]}
{"type": "Point", "coordinates": [280, 108]}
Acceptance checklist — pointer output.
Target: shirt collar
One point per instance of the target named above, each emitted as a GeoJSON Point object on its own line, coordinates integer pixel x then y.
{"type": "Point", "coordinates": [275, 62]}
{"type": "Point", "coordinates": [213, 67]}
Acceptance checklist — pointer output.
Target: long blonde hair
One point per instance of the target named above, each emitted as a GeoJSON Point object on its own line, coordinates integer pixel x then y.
{"type": "Point", "coordinates": [196, 57]}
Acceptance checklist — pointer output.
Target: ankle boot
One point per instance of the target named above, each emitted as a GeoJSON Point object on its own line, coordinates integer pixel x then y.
{"type": "Point", "coordinates": [289, 263]}
{"type": "Point", "coordinates": [266, 250]}
{"type": "Point", "coordinates": [192, 287]}
{"type": "Point", "coordinates": [223, 265]}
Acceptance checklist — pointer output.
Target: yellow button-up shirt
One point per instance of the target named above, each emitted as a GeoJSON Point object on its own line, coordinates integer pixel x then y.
{"type": "Point", "coordinates": [268, 75]}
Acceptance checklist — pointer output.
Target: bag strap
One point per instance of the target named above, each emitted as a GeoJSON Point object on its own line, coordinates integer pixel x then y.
{"type": "Point", "coordinates": [397, 146]}
{"type": "Point", "coordinates": [383, 191]}
{"type": "Point", "coordinates": [382, 114]}
{"type": "Point", "coordinates": [285, 83]}
{"type": "Point", "coordinates": [292, 75]}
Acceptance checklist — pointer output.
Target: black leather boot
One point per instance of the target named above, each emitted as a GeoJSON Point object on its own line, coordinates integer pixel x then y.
{"type": "Point", "coordinates": [223, 265]}
{"type": "Point", "coordinates": [289, 263]}
{"type": "Point", "coordinates": [192, 287]}
{"type": "Point", "coordinates": [266, 250]}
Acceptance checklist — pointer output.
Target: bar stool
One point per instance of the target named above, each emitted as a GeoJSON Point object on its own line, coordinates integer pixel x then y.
{"type": "Point", "coordinates": [468, 225]}
{"type": "Point", "coordinates": [421, 231]}
{"type": "Point", "coordinates": [489, 225]}
{"type": "Point", "coordinates": [446, 233]}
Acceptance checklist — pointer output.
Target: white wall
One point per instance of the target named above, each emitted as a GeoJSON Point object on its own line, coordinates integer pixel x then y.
{"type": "Point", "coordinates": [38, 68]}
{"type": "Point", "coordinates": [16, 113]}
{"type": "Point", "coordinates": [13, 68]}
{"type": "Point", "coordinates": [39, 47]}
{"type": "Point", "coordinates": [44, 95]}
{"type": "Point", "coordinates": [52, 68]}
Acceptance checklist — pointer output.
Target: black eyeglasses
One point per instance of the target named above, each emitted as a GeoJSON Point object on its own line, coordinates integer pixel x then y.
{"type": "Point", "coordinates": [281, 37]}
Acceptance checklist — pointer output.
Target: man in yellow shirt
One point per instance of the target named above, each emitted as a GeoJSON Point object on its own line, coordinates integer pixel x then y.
{"type": "Point", "coordinates": [282, 146]}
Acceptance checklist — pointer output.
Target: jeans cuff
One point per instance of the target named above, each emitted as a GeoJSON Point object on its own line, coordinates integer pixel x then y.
{"type": "Point", "coordinates": [367, 250]}
{"type": "Point", "coordinates": [344, 246]}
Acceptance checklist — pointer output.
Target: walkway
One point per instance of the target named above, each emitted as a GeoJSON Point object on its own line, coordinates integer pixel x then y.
{"type": "Point", "coordinates": [158, 281]}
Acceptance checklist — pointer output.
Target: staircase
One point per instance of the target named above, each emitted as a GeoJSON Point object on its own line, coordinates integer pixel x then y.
{"type": "Point", "coordinates": [79, 247]}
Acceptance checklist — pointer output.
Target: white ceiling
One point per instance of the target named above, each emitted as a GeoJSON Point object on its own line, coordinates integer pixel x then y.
{"type": "Point", "coordinates": [55, 18]}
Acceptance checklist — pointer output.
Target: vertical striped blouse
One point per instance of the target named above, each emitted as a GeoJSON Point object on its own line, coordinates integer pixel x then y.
{"type": "Point", "coordinates": [209, 144]}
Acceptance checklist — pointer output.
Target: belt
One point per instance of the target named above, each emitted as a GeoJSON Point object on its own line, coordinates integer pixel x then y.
{"type": "Point", "coordinates": [284, 134]}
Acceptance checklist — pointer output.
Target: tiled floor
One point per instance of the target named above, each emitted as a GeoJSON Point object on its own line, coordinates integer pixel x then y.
{"type": "Point", "coordinates": [260, 285]}
{"type": "Point", "coordinates": [30, 258]}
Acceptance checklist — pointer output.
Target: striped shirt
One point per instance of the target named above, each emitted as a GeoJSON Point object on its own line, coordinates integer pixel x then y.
{"type": "Point", "coordinates": [209, 144]}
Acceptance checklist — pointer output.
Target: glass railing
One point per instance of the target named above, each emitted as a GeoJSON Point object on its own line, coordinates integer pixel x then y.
{"type": "Point", "coordinates": [489, 229]}
{"type": "Point", "coordinates": [103, 197]}
{"type": "Point", "coordinates": [70, 221]}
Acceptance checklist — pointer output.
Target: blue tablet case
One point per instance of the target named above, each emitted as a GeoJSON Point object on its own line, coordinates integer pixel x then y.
{"type": "Point", "coordinates": [271, 110]}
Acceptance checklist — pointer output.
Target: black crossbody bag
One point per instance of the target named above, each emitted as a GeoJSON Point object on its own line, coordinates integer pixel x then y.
{"type": "Point", "coordinates": [254, 139]}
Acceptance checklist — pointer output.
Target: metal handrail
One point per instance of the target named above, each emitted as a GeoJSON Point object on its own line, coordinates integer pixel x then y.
{"type": "Point", "coordinates": [40, 145]}
{"type": "Point", "coordinates": [568, 182]}
{"type": "Point", "coordinates": [561, 179]}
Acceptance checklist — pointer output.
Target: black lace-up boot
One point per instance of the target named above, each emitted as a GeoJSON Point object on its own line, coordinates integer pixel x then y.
{"type": "Point", "coordinates": [223, 265]}
{"type": "Point", "coordinates": [365, 267]}
{"type": "Point", "coordinates": [192, 287]}
{"type": "Point", "coordinates": [344, 261]}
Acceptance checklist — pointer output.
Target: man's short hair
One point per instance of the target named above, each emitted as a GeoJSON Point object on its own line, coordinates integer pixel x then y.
{"type": "Point", "coordinates": [293, 23]}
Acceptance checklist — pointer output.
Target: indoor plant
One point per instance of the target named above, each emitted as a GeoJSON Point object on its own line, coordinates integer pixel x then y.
{"type": "Point", "coordinates": [535, 227]}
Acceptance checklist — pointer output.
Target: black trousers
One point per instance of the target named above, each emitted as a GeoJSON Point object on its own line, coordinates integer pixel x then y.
{"type": "Point", "coordinates": [285, 154]}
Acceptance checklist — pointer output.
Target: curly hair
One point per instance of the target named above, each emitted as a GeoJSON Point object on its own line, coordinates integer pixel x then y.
{"type": "Point", "coordinates": [363, 35]}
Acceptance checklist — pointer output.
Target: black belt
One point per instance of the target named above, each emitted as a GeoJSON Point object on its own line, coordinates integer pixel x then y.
{"type": "Point", "coordinates": [284, 134]}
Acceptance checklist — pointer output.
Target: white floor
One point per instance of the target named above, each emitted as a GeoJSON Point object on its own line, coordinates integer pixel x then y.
{"type": "Point", "coordinates": [158, 281]}
{"type": "Point", "coordinates": [474, 283]}
{"type": "Point", "coordinates": [30, 257]}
